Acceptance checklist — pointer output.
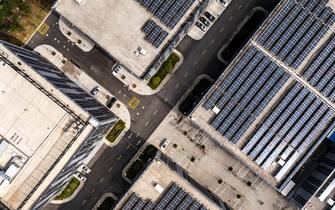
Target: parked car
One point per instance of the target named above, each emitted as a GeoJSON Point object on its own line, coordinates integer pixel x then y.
{"type": "Point", "coordinates": [111, 101]}
{"type": "Point", "coordinates": [164, 143]}
{"type": "Point", "coordinates": [201, 26]}
{"type": "Point", "coordinates": [223, 2]}
{"type": "Point", "coordinates": [116, 68]}
{"type": "Point", "coordinates": [205, 21]}
{"type": "Point", "coordinates": [209, 16]}
{"type": "Point", "coordinates": [84, 168]}
{"type": "Point", "coordinates": [95, 90]}
{"type": "Point", "coordinates": [81, 177]}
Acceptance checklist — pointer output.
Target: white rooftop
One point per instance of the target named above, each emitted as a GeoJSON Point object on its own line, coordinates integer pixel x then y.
{"type": "Point", "coordinates": [116, 26]}
{"type": "Point", "coordinates": [28, 117]}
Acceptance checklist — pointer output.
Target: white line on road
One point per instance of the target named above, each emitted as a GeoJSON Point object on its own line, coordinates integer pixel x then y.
{"type": "Point", "coordinates": [83, 202]}
{"type": "Point", "coordinates": [203, 52]}
{"type": "Point", "coordinates": [101, 180]}
{"type": "Point", "coordinates": [221, 30]}
{"type": "Point", "coordinates": [231, 18]}
{"type": "Point", "coordinates": [138, 134]}
{"type": "Point", "coordinates": [139, 141]}
{"type": "Point", "coordinates": [130, 135]}
{"type": "Point", "coordinates": [165, 100]}
{"type": "Point", "coordinates": [186, 74]}
{"type": "Point", "coordinates": [155, 112]}
{"type": "Point", "coordinates": [146, 123]}
{"type": "Point", "coordinates": [93, 190]}
{"type": "Point", "coordinates": [119, 157]}
{"type": "Point", "coordinates": [239, 7]}
{"type": "Point", "coordinates": [195, 63]}
{"type": "Point", "coordinates": [176, 86]}
{"type": "Point", "coordinates": [109, 170]}
{"type": "Point", "coordinates": [213, 40]}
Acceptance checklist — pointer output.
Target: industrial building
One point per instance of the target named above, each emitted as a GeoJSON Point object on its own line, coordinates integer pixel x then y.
{"type": "Point", "coordinates": [165, 185]}
{"type": "Point", "coordinates": [49, 127]}
{"type": "Point", "coordinates": [275, 102]}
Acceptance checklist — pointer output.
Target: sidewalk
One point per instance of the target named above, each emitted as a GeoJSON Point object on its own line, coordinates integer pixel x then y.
{"type": "Point", "coordinates": [140, 86]}
{"type": "Point", "coordinates": [85, 82]}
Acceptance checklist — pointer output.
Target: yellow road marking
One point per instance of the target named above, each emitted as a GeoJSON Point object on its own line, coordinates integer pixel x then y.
{"type": "Point", "coordinates": [134, 102]}
{"type": "Point", "coordinates": [43, 29]}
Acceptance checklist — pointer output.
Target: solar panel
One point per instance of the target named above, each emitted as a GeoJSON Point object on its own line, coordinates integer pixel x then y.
{"type": "Point", "coordinates": [186, 203]}
{"type": "Point", "coordinates": [164, 9]}
{"type": "Point", "coordinates": [196, 205]}
{"type": "Point", "coordinates": [172, 11]}
{"type": "Point", "coordinates": [149, 26]}
{"type": "Point", "coordinates": [167, 197]}
{"type": "Point", "coordinates": [176, 200]}
{"type": "Point", "coordinates": [146, 3]}
{"type": "Point", "coordinates": [154, 34]}
{"type": "Point", "coordinates": [160, 39]}
{"type": "Point", "coordinates": [155, 5]}
{"type": "Point", "coordinates": [131, 202]}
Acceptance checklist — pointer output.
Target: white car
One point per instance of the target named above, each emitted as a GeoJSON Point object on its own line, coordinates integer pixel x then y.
{"type": "Point", "coordinates": [164, 143]}
{"type": "Point", "coordinates": [84, 168]}
{"type": "Point", "coordinates": [95, 90]}
{"type": "Point", "coordinates": [81, 177]}
{"type": "Point", "coordinates": [116, 68]}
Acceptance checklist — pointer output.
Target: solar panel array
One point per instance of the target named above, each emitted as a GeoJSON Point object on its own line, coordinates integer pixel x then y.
{"type": "Point", "coordinates": [244, 93]}
{"type": "Point", "coordinates": [289, 130]}
{"type": "Point", "coordinates": [296, 29]}
{"type": "Point", "coordinates": [169, 12]}
{"type": "Point", "coordinates": [320, 72]}
{"type": "Point", "coordinates": [174, 198]}
{"type": "Point", "coordinates": [154, 33]}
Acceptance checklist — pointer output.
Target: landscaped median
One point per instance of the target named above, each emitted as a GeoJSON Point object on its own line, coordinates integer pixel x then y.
{"type": "Point", "coordinates": [70, 188]}
{"type": "Point", "coordinates": [166, 68]}
{"type": "Point", "coordinates": [116, 131]}
{"type": "Point", "coordinates": [135, 168]}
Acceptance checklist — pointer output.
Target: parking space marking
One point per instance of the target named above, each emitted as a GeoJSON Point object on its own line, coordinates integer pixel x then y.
{"type": "Point", "coordinates": [186, 74]}
{"type": "Point", "coordinates": [83, 202]}
{"type": "Point", "coordinates": [195, 63]}
{"type": "Point", "coordinates": [43, 29]}
{"type": "Point", "coordinates": [231, 18]}
{"type": "Point", "coordinates": [101, 180]}
{"type": "Point", "coordinates": [110, 169]}
{"type": "Point", "coordinates": [203, 52]}
{"type": "Point", "coordinates": [93, 190]}
{"type": "Point", "coordinates": [221, 30]}
{"type": "Point", "coordinates": [146, 123]}
{"type": "Point", "coordinates": [155, 112]}
{"type": "Point", "coordinates": [134, 102]}
{"type": "Point", "coordinates": [119, 157]}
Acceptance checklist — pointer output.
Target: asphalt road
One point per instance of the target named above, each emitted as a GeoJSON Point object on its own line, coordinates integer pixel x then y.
{"type": "Point", "coordinates": [199, 58]}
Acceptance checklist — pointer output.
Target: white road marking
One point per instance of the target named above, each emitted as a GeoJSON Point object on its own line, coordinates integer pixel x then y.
{"type": "Point", "coordinates": [93, 190]}
{"type": "Point", "coordinates": [109, 170]}
{"type": "Point", "coordinates": [239, 7]}
{"type": "Point", "coordinates": [195, 63]}
{"type": "Point", "coordinates": [130, 135]}
{"type": "Point", "coordinates": [155, 112]}
{"type": "Point", "coordinates": [213, 40]}
{"type": "Point", "coordinates": [231, 18]}
{"type": "Point", "coordinates": [203, 52]}
{"type": "Point", "coordinates": [119, 157]}
{"type": "Point", "coordinates": [139, 141]}
{"type": "Point", "coordinates": [176, 86]}
{"type": "Point", "coordinates": [186, 74]}
{"type": "Point", "coordinates": [146, 123]}
{"type": "Point", "coordinates": [221, 30]}
{"type": "Point", "coordinates": [138, 134]}
{"type": "Point", "coordinates": [83, 202]}
{"type": "Point", "coordinates": [101, 180]}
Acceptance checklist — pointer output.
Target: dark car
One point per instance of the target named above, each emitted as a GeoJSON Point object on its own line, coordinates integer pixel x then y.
{"type": "Point", "coordinates": [110, 102]}
{"type": "Point", "coordinates": [205, 21]}
{"type": "Point", "coordinates": [209, 16]}
{"type": "Point", "coordinates": [201, 26]}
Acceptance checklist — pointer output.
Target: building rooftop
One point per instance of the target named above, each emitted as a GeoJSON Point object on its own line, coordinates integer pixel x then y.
{"type": "Point", "coordinates": [276, 101]}
{"type": "Point", "coordinates": [117, 27]}
{"type": "Point", "coordinates": [36, 128]}
{"type": "Point", "coordinates": [162, 188]}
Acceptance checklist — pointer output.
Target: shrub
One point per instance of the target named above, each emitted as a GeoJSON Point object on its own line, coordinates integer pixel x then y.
{"type": "Point", "coordinates": [69, 189]}
{"type": "Point", "coordinates": [116, 131]}
{"type": "Point", "coordinates": [164, 70]}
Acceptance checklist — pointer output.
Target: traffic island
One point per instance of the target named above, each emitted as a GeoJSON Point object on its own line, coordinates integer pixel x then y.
{"type": "Point", "coordinates": [139, 163]}
{"type": "Point", "coordinates": [114, 133]}
{"type": "Point", "coordinates": [69, 192]}
{"type": "Point", "coordinates": [171, 63]}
